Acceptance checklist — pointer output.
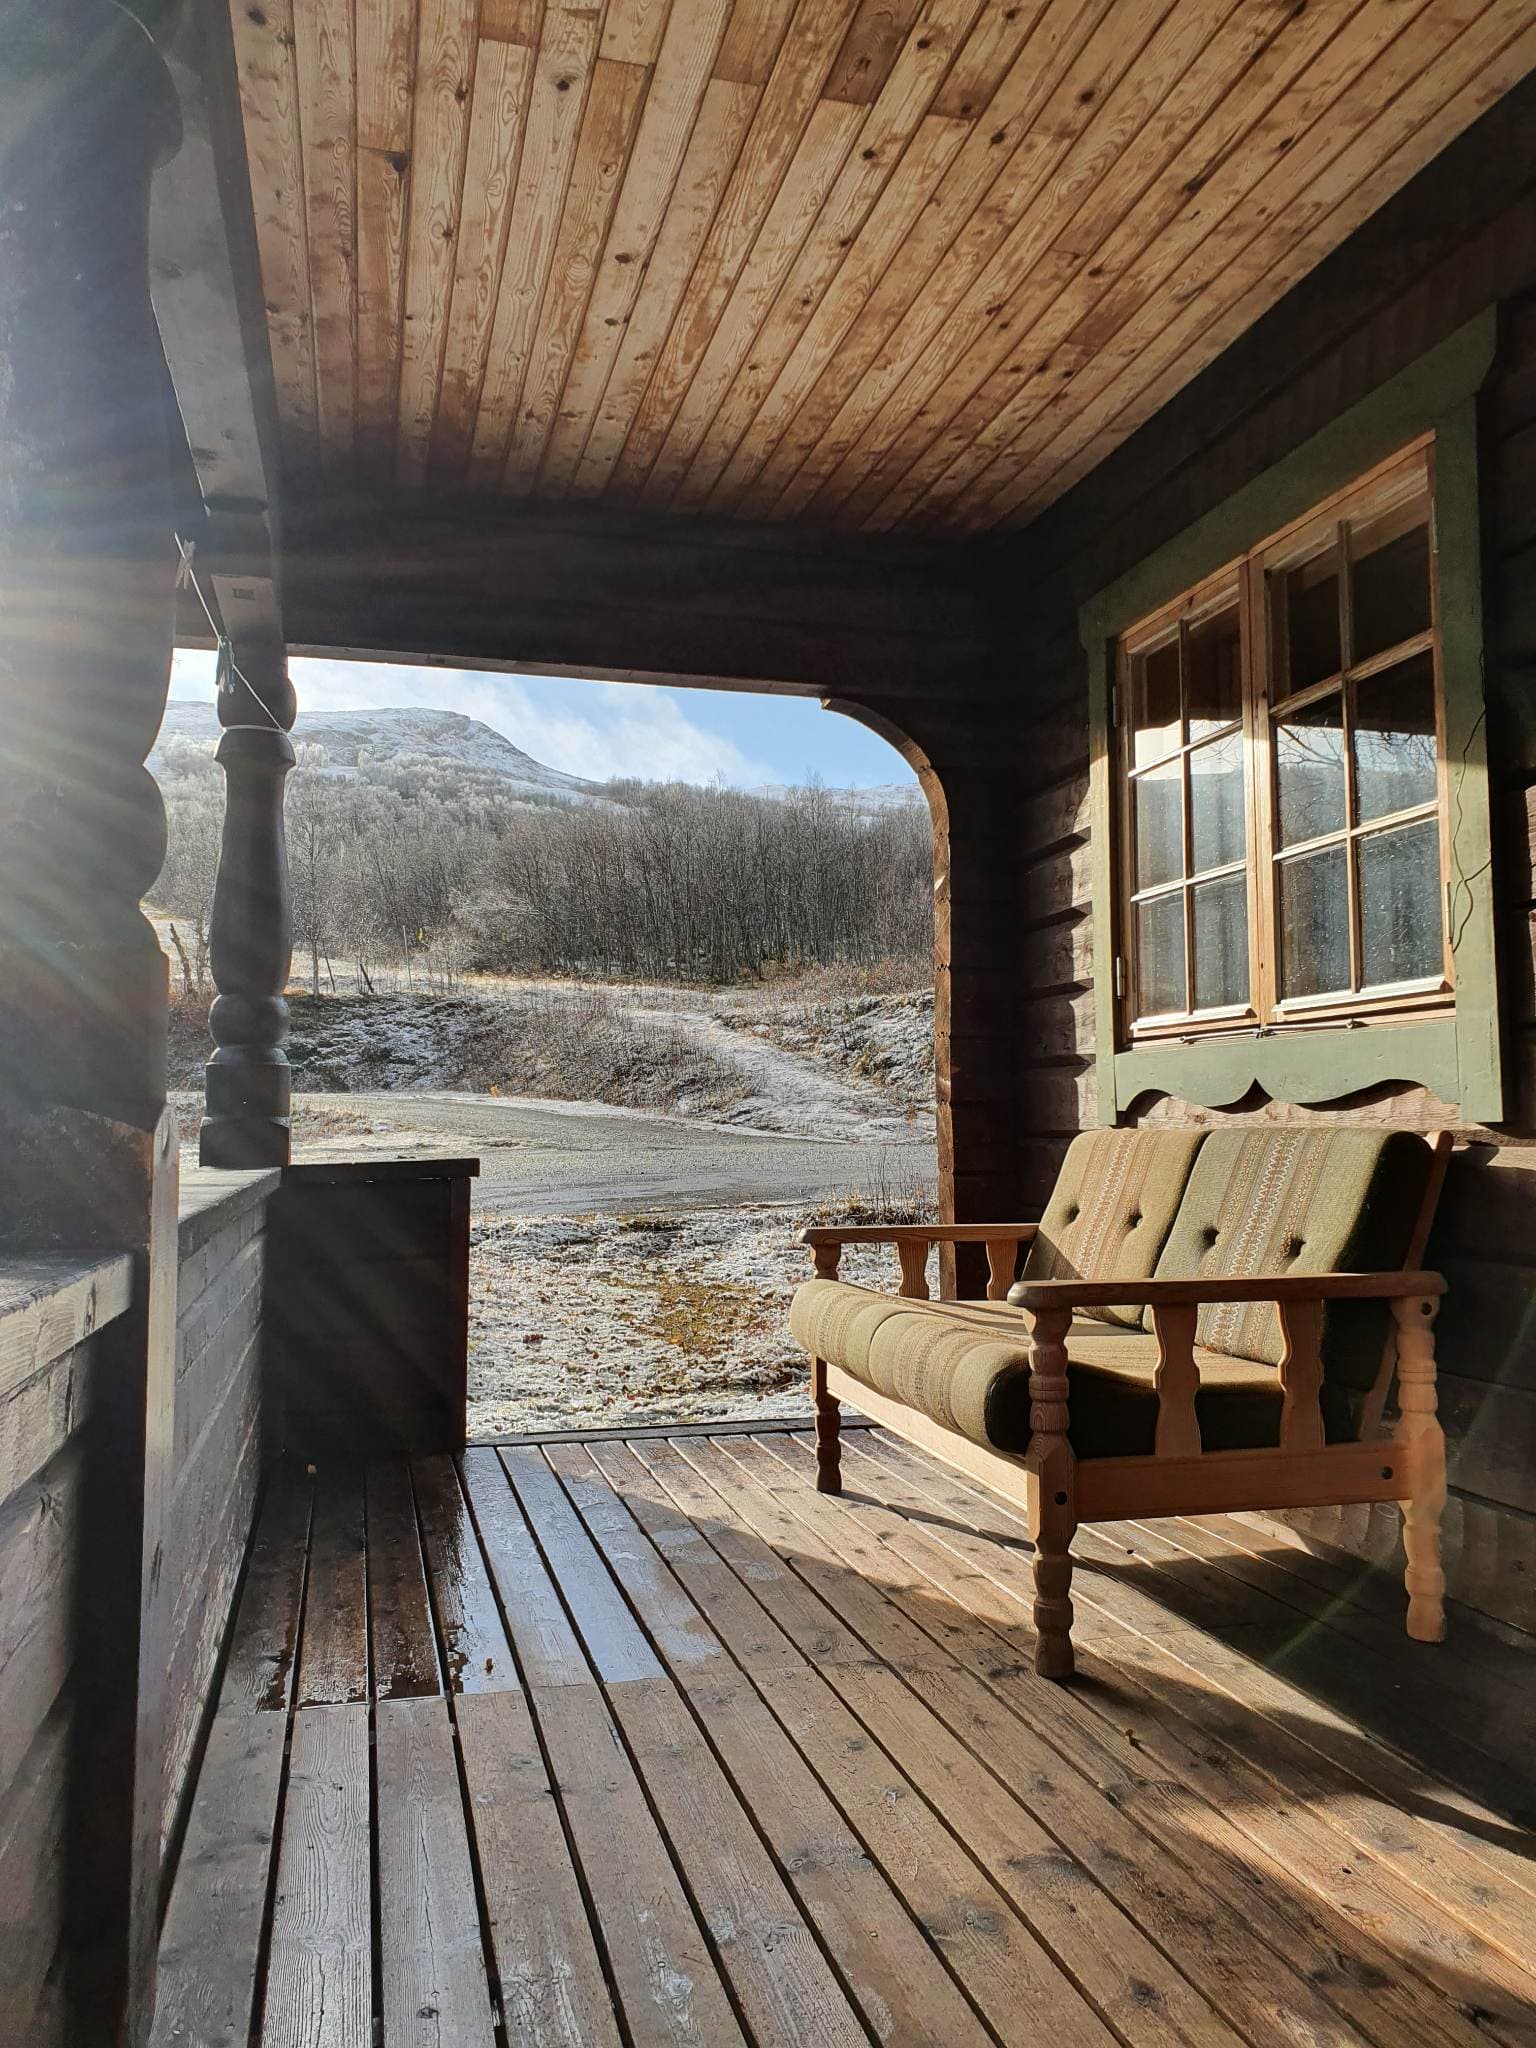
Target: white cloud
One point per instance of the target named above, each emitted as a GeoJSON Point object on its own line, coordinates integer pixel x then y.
{"type": "Point", "coordinates": [609, 728]}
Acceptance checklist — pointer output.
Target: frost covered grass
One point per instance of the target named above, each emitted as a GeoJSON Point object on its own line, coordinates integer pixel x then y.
{"type": "Point", "coordinates": [581, 1046]}
{"type": "Point", "coordinates": [882, 1039]}
{"type": "Point", "coordinates": [588, 1322]}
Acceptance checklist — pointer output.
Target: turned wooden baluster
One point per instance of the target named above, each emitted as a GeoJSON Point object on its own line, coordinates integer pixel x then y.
{"type": "Point", "coordinates": [1002, 1257]}
{"type": "Point", "coordinates": [1420, 1433]}
{"type": "Point", "coordinates": [1177, 1381]}
{"type": "Point", "coordinates": [913, 1255]}
{"type": "Point", "coordinates": [248, 1115]}
{"type": "Point", "coordinates": [1301, 1376]}
{"type": "Point", "coordinates": [1052, 1506]}
{"type": "Point", "coordinates": [829, 1451]}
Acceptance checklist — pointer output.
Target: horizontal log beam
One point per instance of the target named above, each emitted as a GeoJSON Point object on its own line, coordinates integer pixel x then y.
{"type": "Point", "coordinates": [472, 583]}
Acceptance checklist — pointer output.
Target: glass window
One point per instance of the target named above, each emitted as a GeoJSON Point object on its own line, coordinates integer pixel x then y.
{"type": "Point", "coordinates": [1281, 764]}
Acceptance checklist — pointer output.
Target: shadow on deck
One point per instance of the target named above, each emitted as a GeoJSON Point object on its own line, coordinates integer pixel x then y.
{"type": "Point", "coordinates": [635, 1741]}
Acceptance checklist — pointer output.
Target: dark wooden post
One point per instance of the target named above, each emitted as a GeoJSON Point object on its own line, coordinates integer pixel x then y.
{"type": "Point", "coordinates": [87, 570]}
{"type": "Point", "coordinates": [248, 1083]}
{"type": "Point", "coordinates": [87, 558]}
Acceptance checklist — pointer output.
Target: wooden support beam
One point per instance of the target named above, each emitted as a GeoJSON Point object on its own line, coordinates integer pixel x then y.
{"type": "Point", "coordinates": [87, 567]}
{"type": "Point", "coordinates": [427, 577]}
{"type": "Point", "coordinates": [87, 561]}
{"type": "Point", "coordinates": [208, 297]}
{"type": "Point", "coordinates": [206, 282]}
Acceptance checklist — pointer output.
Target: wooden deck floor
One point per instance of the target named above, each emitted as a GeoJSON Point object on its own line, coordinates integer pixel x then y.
{"type": "Point", "coordinates": [642, 1742]}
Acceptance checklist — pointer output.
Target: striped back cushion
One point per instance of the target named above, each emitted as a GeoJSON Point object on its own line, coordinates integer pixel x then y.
{"type": "Point", "coordinates": [1111, 1210]}
{"type": "Point", "coordinates": [1314, 1201]}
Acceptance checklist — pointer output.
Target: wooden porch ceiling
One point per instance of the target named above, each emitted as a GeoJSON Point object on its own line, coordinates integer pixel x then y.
{"type": "Point", "coordinates": [853, 262]}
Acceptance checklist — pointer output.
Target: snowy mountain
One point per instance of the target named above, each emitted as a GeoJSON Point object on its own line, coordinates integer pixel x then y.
{"type": "Point", "coordinates": [453, 754]}
{"type": "Point", "coordinates": [383, 743]}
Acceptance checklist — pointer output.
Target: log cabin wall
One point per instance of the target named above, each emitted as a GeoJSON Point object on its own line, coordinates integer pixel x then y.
{"type": "Point", "coordinates": [56, 1330]}
{"type": "Point", "coordinates": [216, 1452]}
{"type": "Point", "coordinates": [1460, 239]}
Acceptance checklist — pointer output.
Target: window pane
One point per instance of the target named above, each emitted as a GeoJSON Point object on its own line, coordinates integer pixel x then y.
{"type": "Point", "coordinates": [1304, 605]}
{"type": "Point", "coordinates": [1160, 955]}
{"type": "Point", "coordinates": [1400, 929]}
{"type": "Point", "coordinates": [1221, 943]}
{"type": "Point", "coordinates": [1314, 924]}
{"type": "Point", "coordinates": [1309, 771]}
{"type": "Point", "coordinates": [1389, 579]}
{"type": "Point", "coordinates": [1395, 739]}
{"type": "Point", "coordinates": [1217, 820]}
{"type": "Point", "coordinates": [1159, 801]}
{"type": "Point", "coordinates": [1215, 686]}
{"type": "Point", "coordinates": [1155, 701]}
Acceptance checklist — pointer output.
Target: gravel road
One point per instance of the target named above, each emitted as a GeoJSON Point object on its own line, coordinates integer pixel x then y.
{"type": "Point", "coordinates": [562, 1158]}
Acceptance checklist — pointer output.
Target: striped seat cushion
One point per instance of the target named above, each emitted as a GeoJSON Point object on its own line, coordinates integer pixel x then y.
{"type": "Point", "coordinates": [1111, 1210]}
{"type": "Point", "coordinates": [1291, 1201]}
{"type": "Point", "coordinates": [965, 1365]}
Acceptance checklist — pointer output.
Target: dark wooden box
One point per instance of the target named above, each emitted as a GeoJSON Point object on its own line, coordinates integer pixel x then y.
{"type": "Point", "coordinates": [367, 1309]}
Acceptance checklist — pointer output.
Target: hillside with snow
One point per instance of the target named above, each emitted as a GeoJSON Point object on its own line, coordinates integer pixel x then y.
{"type": "Point", "coordinates": [383, 743]}
{"type": "Point", "coordinates": [388, 745]}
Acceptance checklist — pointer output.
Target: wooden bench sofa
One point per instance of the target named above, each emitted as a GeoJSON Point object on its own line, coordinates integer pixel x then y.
{"type": "Point", "coordinates": [1205, 1322]}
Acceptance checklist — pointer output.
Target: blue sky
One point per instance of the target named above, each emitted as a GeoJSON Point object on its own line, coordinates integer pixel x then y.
{"type": "Point", "coordinates": [603, 729]}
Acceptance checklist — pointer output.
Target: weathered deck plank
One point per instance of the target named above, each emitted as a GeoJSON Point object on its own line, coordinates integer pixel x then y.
{"type": "Point", "coordinates": [671, 1751]}
{"type": "Point", "coordinates": [319, 1974]}
{"type": "Point", "coordinates": [333, 1660]}
{"type": "Point", "coordinates": [434, 1984]}
{"type": "Point", "coordinates": [399, 1612]}
{"type": "Point", "coordinates": [211, 1947]}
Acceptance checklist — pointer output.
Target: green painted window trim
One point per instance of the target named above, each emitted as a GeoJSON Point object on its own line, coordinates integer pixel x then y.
{"type": "Point", "coordinates": [1456, 1056]}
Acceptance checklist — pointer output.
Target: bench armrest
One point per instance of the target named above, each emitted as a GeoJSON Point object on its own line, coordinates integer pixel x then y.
{"type": "Point", "coordinates": [918, 1233]}
{"type": "Point", "coordinates": [1276, 1287]}
{"type": "Point", "coordinates": [914, 1241]}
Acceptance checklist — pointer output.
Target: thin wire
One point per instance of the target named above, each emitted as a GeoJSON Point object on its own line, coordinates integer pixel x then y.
{"type": "Point", "coordinates": [142, 26]}
{"type": "Point", "coordinates": [226, 645]}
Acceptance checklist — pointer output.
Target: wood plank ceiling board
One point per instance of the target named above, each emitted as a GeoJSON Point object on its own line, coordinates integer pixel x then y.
{"type": "Point", "coordinates": [1469, 67]}
{"type": "Point", "coordinates": [327, 81]}
{"type": "Point", "coordinates": [562, 73]}
{"type": "Point", "coordinates": [829, 137]}
{"type": "Point", "coordinates": [1096, 112]}
{"type": "Point", "coordinates": [497, 116]}
{"type": "Point", "coordinates": [891, 223]}
{"type": "Point", "coordinates": [1291, 137]}
{"type": "Point", "coordinates": [1159, 152]}
{"type": "Point", "coordinates": [269, 107]}
{"type": "Point", "coordinates": [689, 47]}
{"type": "Point", "coordinates": [725, 115]}
{"type": "Point", "coordinates": [602, 153]}
{"type": "Point", "coordinates": [877, 154]}
{"type": "Point", "coordinates": [385, 54]}
{"type": "Point", "coordinates": [1183, 206]}
{"type": "Point", "coordinates": [445, 68]}
{"type": "Point", "coordinates": [863, 263]}
{"type": "Point", "coordinates": [788, 104]}
{"type": "Point", "coordinates": [953, 233]}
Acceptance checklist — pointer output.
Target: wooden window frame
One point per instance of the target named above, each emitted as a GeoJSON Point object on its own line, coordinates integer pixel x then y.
{"type": "Point", "coordinates": [1443, 1036]}
{"type": "Point", "coordinates": [1243, 586]}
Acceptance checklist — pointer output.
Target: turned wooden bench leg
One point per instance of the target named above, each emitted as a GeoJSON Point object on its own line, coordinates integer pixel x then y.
{"type": "Point", "coordinates": [1053, 1493]}
{"type": "Point", "coordinates": [829, 1456]}
{"type": "Point", "coordinates": [1420, 1432]}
